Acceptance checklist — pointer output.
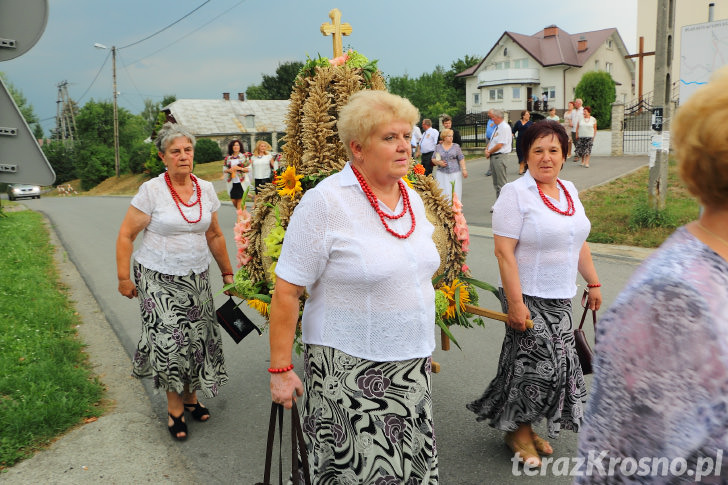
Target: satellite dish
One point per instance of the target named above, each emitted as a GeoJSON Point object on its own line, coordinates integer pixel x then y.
{"type": "Point", "coordinates": [21, 25]}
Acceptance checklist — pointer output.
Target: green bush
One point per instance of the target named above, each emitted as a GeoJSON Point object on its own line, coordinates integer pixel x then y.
{"type": "Point", "coordinates": [95, 163]}
{"type": "Point", "coordinates": [644, 216]}
{"type": "Point", "coordinates": [597, 89]}
{"type": "Point", "coordinates": [207, 150]}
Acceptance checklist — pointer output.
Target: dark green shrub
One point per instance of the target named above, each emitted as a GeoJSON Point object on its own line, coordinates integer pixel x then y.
{"type": "Point", "coordinates": [597, 89]}
{"type": "Point", "coordinates": [62, 158]}
{"type": "Point", "coordinates": [207, 150]}
{"type": "Point", "coordinates": [139, 156]}
{"type": "Point", "coordinates": [644, 216]}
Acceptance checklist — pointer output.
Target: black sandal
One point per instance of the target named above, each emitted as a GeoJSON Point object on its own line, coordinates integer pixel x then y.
{"type": "Point", "coordinates": [198, 411]}
{"type": "Point", "coordinates": [178, 426]}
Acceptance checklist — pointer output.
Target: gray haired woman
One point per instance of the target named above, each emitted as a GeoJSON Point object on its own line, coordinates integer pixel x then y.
{"type": "Point", "coordinates": [180, 346]}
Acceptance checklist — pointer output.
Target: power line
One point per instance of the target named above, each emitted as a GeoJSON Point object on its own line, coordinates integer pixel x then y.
{"type": "Point", "coordinates": [165, 28]}
{"type": "Point", "coordinates": [187, 35]}
{"type": "Point", "coordinates": [95, 77]}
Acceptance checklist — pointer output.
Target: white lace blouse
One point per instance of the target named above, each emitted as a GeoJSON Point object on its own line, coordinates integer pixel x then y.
{"type": "Point", "coordinates": [548, 243]}
{"type": "Point", "coordinates": [171, 245]}
{"type": "Point", "coordinates": [370, 293]}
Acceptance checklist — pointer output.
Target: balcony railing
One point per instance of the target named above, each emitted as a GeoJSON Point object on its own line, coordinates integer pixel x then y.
{"type": "Point", "coordinates": [508, 76]}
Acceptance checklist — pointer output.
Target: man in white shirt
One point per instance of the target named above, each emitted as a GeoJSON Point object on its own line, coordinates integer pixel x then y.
{"type": "Point", "coordinates": [415, 140]}
{"type": "Point", "coordinates": [428, 144]}
{"type": "Point", "coordinates": [576, 115]}
{"type": "Point", "coordinates": [500, 145]}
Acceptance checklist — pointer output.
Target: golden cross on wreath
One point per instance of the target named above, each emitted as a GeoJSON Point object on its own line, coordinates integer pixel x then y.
{"type": "Point", "coordinates": [336, 29]}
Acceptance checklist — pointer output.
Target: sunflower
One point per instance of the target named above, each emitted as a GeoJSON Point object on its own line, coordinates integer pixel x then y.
{"type": "Point", "coordinates": [457, 294]}
{"type": "Point", "coordinates": [289, 183]}
{"type": "Point", "coordinates": [408, 182]}
{"type": "Point", "coordinates": [260, 306]}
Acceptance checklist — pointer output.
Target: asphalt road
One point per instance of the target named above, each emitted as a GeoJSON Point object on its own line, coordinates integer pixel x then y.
{"type": "Point", "coordinates": [230, 447]}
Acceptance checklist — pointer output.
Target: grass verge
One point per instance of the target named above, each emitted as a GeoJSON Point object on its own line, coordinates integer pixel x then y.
{"type": "Point", "coordinates": [619, 212]}
{"type": "Point", "coordinates": [46, 384]}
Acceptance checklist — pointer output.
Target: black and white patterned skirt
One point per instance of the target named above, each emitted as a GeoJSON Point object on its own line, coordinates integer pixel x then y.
{"type": "Point", "coordinates": [538, 375]}
{"type": "Point", "coordinates": [180, 341]}
{"type": "Point", "coordinates": [368, 422]}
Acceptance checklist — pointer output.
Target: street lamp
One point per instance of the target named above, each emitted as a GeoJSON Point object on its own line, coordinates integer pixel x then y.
{"type": "Point", "coordinates": [116, 115]}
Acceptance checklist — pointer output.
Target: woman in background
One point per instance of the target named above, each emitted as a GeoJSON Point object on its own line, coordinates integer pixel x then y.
{"type": "Point", "coordinates": [586, 130]}
{"type": "Point", "coordinates": [518, 130]}
{"type": "Point", "coordinates": [450, 163]}
{"type": "Point", "coordinates": [263, 163]}
{"type": "Point", "coordinates": [235, 166]}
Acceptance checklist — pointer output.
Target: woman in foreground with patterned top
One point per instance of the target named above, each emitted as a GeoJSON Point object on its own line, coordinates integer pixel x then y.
{"type": "Point", "coordinates": [360, 244]}
{"type": "Point", "coordinates": [180, 346]}
{"type": "Point", "coordinates": [661, 359]}
{"type": "Point", "coordinates": [540, 231]}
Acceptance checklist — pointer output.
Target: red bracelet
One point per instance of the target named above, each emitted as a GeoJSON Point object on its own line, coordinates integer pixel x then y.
{"type": "Point", "coordinates": [594, 285]}
{"type": "Point", "coordinates": [281, 370]}
{"type": "Point", "coordinates": [226, 274]}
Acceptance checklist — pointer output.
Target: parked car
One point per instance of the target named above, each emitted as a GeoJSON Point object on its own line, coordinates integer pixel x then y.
{"type": "Point", "coordinates": [18, 191]}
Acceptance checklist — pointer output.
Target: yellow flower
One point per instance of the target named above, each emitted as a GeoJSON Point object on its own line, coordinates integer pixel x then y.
{"type": "Point", "coordinates": [457, 294]}
{"type": "Point", "coordinates": [260, 306]}
{"type": "Point", "coordinates": [289, 183]}
{"type": "Point", "coordinates": [409, 182]}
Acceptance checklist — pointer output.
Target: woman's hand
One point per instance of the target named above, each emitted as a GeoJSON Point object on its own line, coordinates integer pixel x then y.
{"type": "Point", "coordinates": [227, 279]}
{"type": "Point", "coordinates": [282, 387]}
{"type": "Point", "coordinates": [594, 300]}
{"type": "Point", "coordinates": [127, 288]}
{"type": "Point", "coordinates": [518, 313]}
{"type": "Point", "coordinates": [465, 172]}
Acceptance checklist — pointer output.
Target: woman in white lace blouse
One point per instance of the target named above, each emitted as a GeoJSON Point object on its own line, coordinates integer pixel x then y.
{"type": "Point", "coordinates": [658, 397]}
{"type": "Point", "coordinates": [180, 346]}
{"type": "Point", "coordinates": [540, 231]}
{"type": "Point", "coordinates": [360, 244]}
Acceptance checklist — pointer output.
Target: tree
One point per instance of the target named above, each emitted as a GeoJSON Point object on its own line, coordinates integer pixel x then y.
{"type": "Point", "coordinates": [597, 89]}
{"type": "Point", "coordinates": [26, 109]}
{"type": "Point", "coordinates": [458, 66]}
{"type": "Point", "coordinates": [62, 157]}
{"type": "Point", "coordinates": [430, 93]}
{"type": "Point", "coordinates": [152, 109]}
{"type": "Point", "coordinates": [278, 86]}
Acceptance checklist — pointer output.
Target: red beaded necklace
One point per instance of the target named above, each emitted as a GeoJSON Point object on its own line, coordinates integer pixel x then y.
{"type": "Point", "coordinates": [570, 210]}
{"type": "Point", "coordinates": [177, 199]}
{"type": "Point", "coordinates": [375, 205]}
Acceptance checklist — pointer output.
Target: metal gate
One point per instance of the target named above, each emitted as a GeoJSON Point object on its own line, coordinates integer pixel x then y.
{"type": "Point", "coordinates": [472, 128]}
{"type": "Point", "coordinates": [637, 126]}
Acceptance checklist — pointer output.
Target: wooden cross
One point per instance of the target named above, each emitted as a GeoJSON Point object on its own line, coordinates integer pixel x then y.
{"type": "Point", "coordinates": [336, 29]}
{"type": "Point", "coordinates": [641, 54]}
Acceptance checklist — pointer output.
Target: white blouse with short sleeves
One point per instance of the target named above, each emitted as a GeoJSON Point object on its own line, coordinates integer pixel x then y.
{"type": "Point", "coordinates": [548, 243]}
{"type": "Point", "coordinates": [171, 245]}
{"type": "Point", "coordinates": [370, 293]}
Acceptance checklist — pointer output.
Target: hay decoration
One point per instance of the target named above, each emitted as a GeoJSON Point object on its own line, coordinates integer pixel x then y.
{"type": "Point", "coordinates": [313, 148]}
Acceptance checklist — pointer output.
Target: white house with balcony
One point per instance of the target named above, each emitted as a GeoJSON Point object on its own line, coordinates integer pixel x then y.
{"type": "Point", "coordinates": [552, 61]}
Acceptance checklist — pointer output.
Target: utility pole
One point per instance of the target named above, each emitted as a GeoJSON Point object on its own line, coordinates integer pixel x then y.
{"type": "Point", "coordinates": [116, 113]}
{"type": "Point", "coordinates": [65, 117]}
{"type": "Point", "coordinates": [661, 114]}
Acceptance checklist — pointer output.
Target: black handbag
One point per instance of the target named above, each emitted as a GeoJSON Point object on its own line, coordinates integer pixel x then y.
{"type": "Point", "coordinates": [583, 350]}
{"type": "Point", "coordinates": [298, 445]}
{"type": "Point", "coordinates": [234, 321]}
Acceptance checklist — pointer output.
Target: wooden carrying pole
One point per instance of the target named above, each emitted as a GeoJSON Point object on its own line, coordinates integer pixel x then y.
{"type": "Point", "coordinates": [483, 312]}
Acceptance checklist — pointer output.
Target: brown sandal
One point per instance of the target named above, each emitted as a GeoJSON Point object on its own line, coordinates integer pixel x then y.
{"type": "Point", "coordinates": [525, 452]}
{"type": "Point", "coordinates": [542, 446]}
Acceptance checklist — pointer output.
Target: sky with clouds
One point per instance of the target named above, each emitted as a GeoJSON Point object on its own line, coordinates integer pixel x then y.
{"type": "Point", "coordinates": [226, 45]}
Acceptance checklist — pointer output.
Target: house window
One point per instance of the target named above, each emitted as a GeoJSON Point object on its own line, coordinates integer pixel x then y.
{"type": "Point", "coordinates": [476, 99]}
{"type": "Point", "coordinates": [609, 66]}
{"type": "Point", "coordinates": [596, 65]}
{"type": "Point", "coordinates": [524, 63]}
{"type": "Point", "coordinates": [516, 93]}
{"type": "Point", "coordinates": [495, 94]}
{"type": "Point", "coordinates": [610, 44]}
{"type": "Point", "coordinates": [550, 90]}
{"type": "Point", "coordinates": [505, 52]}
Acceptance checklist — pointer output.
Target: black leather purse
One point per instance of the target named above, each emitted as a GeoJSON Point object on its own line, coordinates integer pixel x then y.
{"type": "Point", "coordinates": [583, 350]}
{"type": "Point", "coordinates": [234, 321]}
